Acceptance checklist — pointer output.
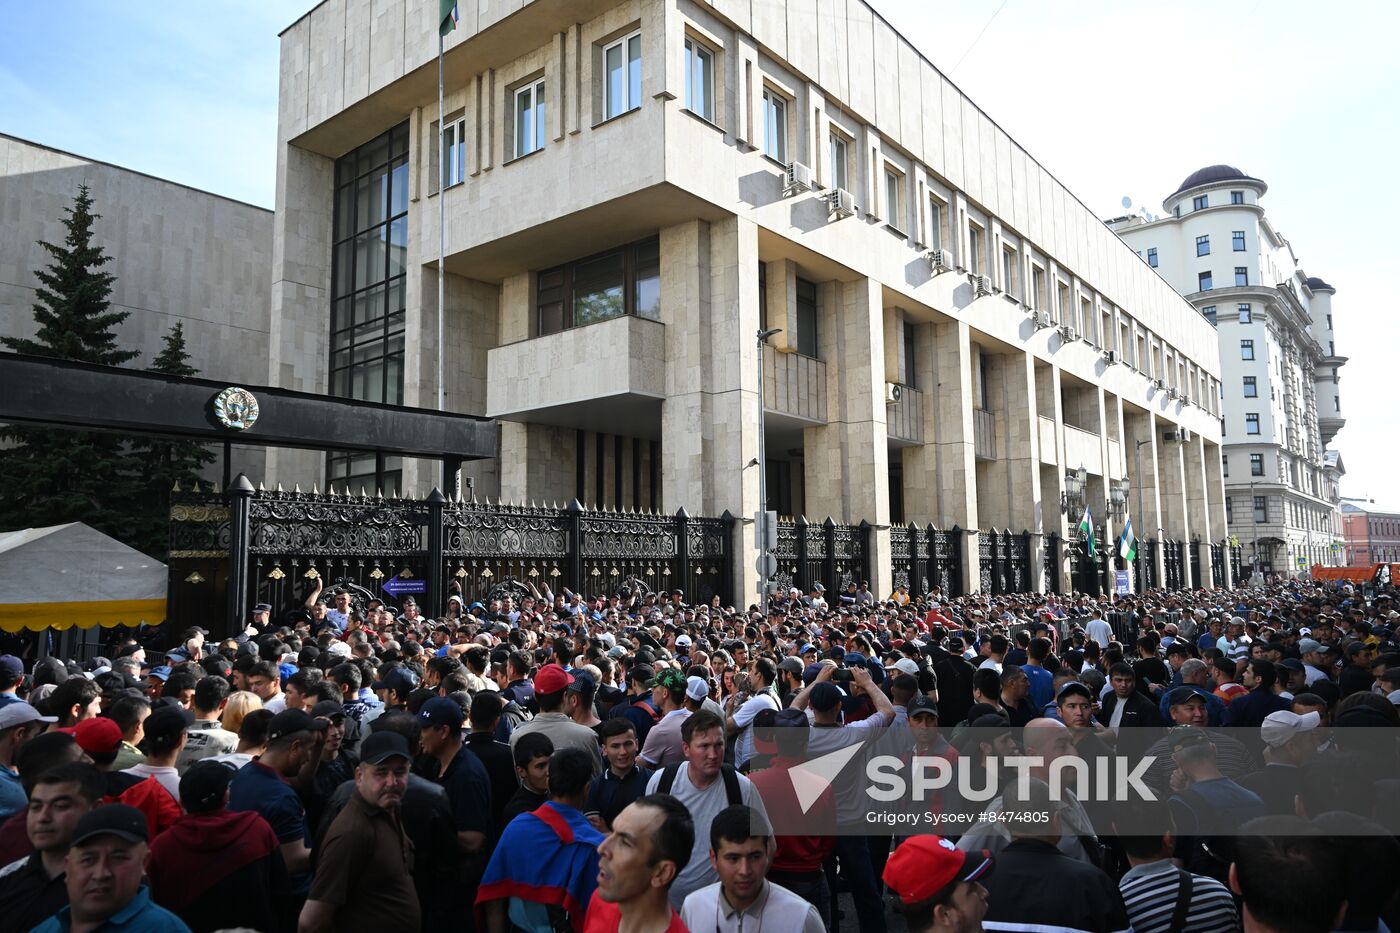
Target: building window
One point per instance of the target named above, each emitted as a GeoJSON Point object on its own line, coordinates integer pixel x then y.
{"type": "Point", "coordinates": [1008, 271]}
{"type": "Point", "coordinates": [763, 296]}
{"type": "Point", "coordinates": [1224, 466]}
{"type": "Point", "coordinates": [597, 288]}
{"type": "Point", "coordinates": [1203, 282]}
{"type": "Point", "coordinates": [1246, 314]}
{"type": "Point", "coordinates": [454, 153]}
{"type": "Point", "coordinates": [1246, 349]}
{"type": "Point", "coordinates": [1241, 275]}
{"type": "Point", "coordinates": [1337, 402]}
{"type": "Point", "coordinates": [909, 372]}
{"type": "Point", "coordinates": [1229, 511]}
{"type": "Point", "coordinates": [974, 247]}
{"type": "Point", "coordinates": [699, 79]}
{"type": "Point", "coordinates": [529, 118]}
{"type": "Point", "coordinates": [1152, 256]}
{"type": "Point", "coordinates": [1203, 245]}
{"type": "Point", "coordinates": [1331, 348]}
{"type": "Point", "coordinates": [1200, 202]}
{"type": "Point", "coordinates": [1256, 464]}
{"type": "Point", "coordinates": [1209, 312]}
{"type": "Point", "coordinates": [1251, 387]}
{"type": "Point", "coordinates": [935, 222]}
{"type": "Point", "coordinates": [774, 125]}
{"type": "Point", "coordinates": [1038, 287]}
{"type": "Point", "coordinates": [622, 70]}
{"type": "Point", "coordinates": [806, 318]}
{"type": "Point", "coordinates": [840, 161]}
{"type": "Point", "coordinates": [1237, 241]}
{"type": "Point", "coordinates": [1251, 423]}
{"type": "Point", "coordinates": [1261, 508]}
{"type": "Point", "coordinates": [894, 199]}
{"type": "Point", "coordinates": [1329, 322]}
{"type": "Point", "coordinates": [1236, 197]}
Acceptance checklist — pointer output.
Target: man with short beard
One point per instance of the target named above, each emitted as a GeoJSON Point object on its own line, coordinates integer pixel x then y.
{"type": "Point", "coordinates": [34, 888]}
{"type": "Point", "coordinates": [367, 841]}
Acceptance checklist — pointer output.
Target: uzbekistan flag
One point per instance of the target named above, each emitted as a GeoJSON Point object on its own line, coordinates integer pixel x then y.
{"type": "Point", "coordinates": [447, 16]}
{"type": "Point", "coordinates": [1127, 544]}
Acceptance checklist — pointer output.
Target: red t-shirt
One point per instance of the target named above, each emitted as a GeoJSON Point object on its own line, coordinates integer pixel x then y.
{"type": "Point", "coordinates": [605, 917]}
{"type": "Point", "coordinates": [795, 853]}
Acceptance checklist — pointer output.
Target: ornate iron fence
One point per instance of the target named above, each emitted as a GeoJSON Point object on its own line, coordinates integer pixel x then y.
{"type": "Point", "coordinates": [1194, 556]}
{"type": "Point", "coordinates": [926, 558]}
{"type": "Point", "coordinates": [1087, 575]}
{"type": "Point", "coordinates": [1004, 559]}
{"type": "Point", "coordinates": [1237, 564]}
{"type": "Point", "coordinates": [1173, 568]}
{"type": "Point", "coordinates": [1217, 564]}
{"type": "Point", "coordinates": [831, 554]}
{"type": "Point", "coordinates": [246, 546]}
{"type": "Point", "coordinates": [1051, 556]}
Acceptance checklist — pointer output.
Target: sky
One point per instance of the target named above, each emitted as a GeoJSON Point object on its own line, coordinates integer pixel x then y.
{"type": "Point", "coordinates": [1114, 97]}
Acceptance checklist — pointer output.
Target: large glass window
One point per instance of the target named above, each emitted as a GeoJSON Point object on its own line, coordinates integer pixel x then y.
{"type": "Point", "coordinates": [774, 125]}
{"type": "Point", "coordinates": [1237, 241]}
{"type": "Point", "coordinates": [699, 79]}
{"type": "Point", "coordinates": [622, 70]}
{"type": "Point", "coordinates": [596, 288]}
{"type": "Point", "coordinates": [1200, 203]}
{"type": "Point", "coordinates": [1251, 387]}
{"type": "Point", "coordinates": [1246, 349]}
{"type": "Point", "coordinates": [1236, 197]}
{"type": "Point", "coordinates": [1203, 245]}
{"type": "Point", "coordinates": [1251, 423]}
{"type": "Point", "coordinates": [368, 270]}
{"type": "Point", "coordinates": [529, 118]}
{"type": "Point", "coordinates": [1246, 314]}
{"type": "Point", "coordinates": [1152, 256]}
{"type": "Point", "coordinates": [1241, 275]}
{"type": "Point", "coordinates": [1256, 464]}
{"type": "Point", "coordinates": [1204, 282]}
{"type": "Point", "coordinates": [454, 153]}
{"type": "Point", "coordinates": [894, 199]}
{"type": "Point", "coordinates": [1261, 509]}
{"type": "Point", "coordinates": [1209, 312]}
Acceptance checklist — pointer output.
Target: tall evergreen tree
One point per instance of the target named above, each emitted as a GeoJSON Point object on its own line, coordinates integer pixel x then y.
{"type": "Point", "coordinates": [165, 462]}
{"type": "Point", "coordinates": [56, 476]}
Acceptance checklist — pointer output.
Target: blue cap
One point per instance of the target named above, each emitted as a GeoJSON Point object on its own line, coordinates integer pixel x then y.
{"type": "Point", "coordinates": [400, 680]}
{"type": "Point", "coordinates": [442, 711]}
{"type": "Point", "coordinates": [825, 697]}
{"type": "Point", "coordinates": [161, 673]}
{"type": "Point", "coordinates": [807, 647]}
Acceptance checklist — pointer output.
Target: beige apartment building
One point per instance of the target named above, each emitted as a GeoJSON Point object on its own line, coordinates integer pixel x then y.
{"type": "Point", "coordinates": [633, 190]}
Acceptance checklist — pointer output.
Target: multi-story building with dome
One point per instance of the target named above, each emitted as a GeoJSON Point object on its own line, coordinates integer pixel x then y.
{"type": "Point", "coordinates": [1279, 362]}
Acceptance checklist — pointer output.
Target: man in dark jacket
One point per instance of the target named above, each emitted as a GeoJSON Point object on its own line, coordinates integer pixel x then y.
{"type": "Point", "coordinates": [1250, 709]}
{"type": "Point", "coordinates": [954, 675]}
{"type": "Point", "coordinates": [1037, 887]}
{"type": "Point", "coordinates": [217, 868]}
{"type": "Point", "coordinates": [1126, 710]}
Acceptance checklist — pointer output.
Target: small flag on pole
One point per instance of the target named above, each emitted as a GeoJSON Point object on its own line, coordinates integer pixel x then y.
{"type": "Point", "coordinates": [1127, 544]}
{"type": "Point", "coordinates": [447, 18]}
{"type": "Point", "coordinates": [1086, 525]}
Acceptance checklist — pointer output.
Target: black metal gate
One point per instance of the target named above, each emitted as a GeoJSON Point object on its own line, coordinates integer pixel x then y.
{"type": "Point", "coordinates": [1146, 565]}
{"type": "Point", "coordinates": [1051, 557]}
{"type": "Point", "coordinates": [1004, 561]}
{"type": "Point", "coordinates": [1195, 558]}
{"type": "Point", "coordinates": [1086, 574]}
{"type": "Point", "coordinates": [1217, 564]}
{"type": "Point", "coordinates": [831, 554]}
{"type": "Point", "coordinates": [1237, 564]}
{"type": "Point", "coordinates": [1172, 565]}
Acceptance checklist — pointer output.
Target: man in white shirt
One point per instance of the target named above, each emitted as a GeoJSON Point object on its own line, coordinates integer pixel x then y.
{"type": "Point", "coordinates": [743, 899]}
{"type": "Point", "coordinates": [166, 729]}
{"type": "Point", "coordinates": [1310, 650]}
{"type": "Point", "coordinates": [1099, 630]}
{"type": "Point", "coordinates": [704, 785]}
{"type": "Point", "coordinates": [739, 720]}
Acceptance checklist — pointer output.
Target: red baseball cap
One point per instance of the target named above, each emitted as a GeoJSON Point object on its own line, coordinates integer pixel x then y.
{"type": "Point", "coordinates": [552, 678]}
{"type": "Point", "coordinates": [923, 866]}
{"type": "Point", "coordinates": [96, 736]}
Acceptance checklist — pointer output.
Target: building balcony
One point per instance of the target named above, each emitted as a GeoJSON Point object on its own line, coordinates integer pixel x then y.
{"type": "Point", "coordinates": [984, 434]}
{"type": "Point", "coordinates": [1082, 450]}
{"type": "Point", "coordinates": [1328, 426]}
{"type": "Point", "coordinates": [560, 378]}
{"type": "Point", "coordinates": [794, 385]}
{"type": "Point", "coordinates": [904, 419]}
{"type": "Point", "coordinates": [1049, 450]}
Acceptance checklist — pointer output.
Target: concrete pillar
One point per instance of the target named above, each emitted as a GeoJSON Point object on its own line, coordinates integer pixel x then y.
{"type": "Point", "coordinates": [1215, 492]}
{"type": "Point", "coordinates": [955, 460]}
{"type": "Point", "coordinates": [921, 492]}
{"type": "Point", "coordinates": [709, 418]}
{"type": "Point", "coordinates": [847, 465]}
{"type": "Point", "coordinates": [1199, 508]}
{"type": "Point", "coordinates": [1022, 457]}
{"type": "Point", "coordinates": [1144, 492]}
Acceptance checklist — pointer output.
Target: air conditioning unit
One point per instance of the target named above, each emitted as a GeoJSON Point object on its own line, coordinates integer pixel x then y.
{"type": "Point", "coordinates": [1042, 320]}
{"type": "Point", "coordinates": [893, 392]}
{"type": "Point", "coordinates": [1173, 394]}
{"type": "Point", "coordinates": [839, 203]}
{"type": "Point", "coordinates": [1181, 434]}
{"type": "Point", "coordinates": [1158, 384]}
{"type": "Point", "coordinates": [1067, 333]}
{"type": "Point", "coordinates": [1110, 357]}
{"type": "Point", "coordinates": [797, 177]}
{"type": "Point", "coordinates": [941, 260]}
{"type": "Point", "coordinates": [981, 285]}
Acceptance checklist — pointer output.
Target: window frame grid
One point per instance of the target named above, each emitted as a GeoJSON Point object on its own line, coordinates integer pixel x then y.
{"type": "Point", "coordinates": [628, 104]}
{"type": "Point", "coordinates": [536, 123]}
{"type": "Point", "coordinates": [695, 52]}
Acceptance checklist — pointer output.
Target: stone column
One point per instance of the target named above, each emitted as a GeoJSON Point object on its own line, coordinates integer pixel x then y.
{"type": "Point", "coordinates": [709, 418]}
{"type": "Point", "coordinates": [1198, 505]}
{"type": "Point", "coordinates": [1022, 457]}
{"type": "Point", "coordinates": [1215, 495]}
{"type": "Point", "coordinates": [951, 397]}
{"type": "Point", "coordinates": [847, 472]}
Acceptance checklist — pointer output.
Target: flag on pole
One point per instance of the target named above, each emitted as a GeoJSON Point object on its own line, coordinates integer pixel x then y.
{"type": "Point", "coordinates": [1086, 525]}
{"type": "Point", "coordinates": [447, 16]}
{"type": "Point", "coordinates": [1127, 544]}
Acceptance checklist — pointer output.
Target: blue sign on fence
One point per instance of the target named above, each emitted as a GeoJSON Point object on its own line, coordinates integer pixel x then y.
{"type": "Point", "coordinates": [398, 586]}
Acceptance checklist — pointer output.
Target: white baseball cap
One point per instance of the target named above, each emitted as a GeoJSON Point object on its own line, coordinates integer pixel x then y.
{"type": "Point", "coordinates": [697, 689]}
{"type": "Point", "coordinates": [905, 666]}
{"type": "Point", "coordinates": [1283, 725]}
{"type": "Point", "coordinates": [682, 641]}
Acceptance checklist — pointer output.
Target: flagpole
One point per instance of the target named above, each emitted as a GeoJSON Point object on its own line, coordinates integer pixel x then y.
{"type": "Point", "coordinates": [442, 247]}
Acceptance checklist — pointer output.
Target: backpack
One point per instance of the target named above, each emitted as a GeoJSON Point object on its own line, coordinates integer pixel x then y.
{"type": "Point", "coordinates": [515, 715]}
{"type": "Point", "coordinates": [732, 791]}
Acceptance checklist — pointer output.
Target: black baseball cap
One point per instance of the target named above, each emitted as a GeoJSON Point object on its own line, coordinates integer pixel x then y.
{"type": "Point", "coordinates": [168, 721]}
{"type": "Point", "coordinates": [921, 705]}
{"type": "Point", "coordinates": [112, 819]}
{"type": "Point", "coordinates": [380, 746]}
{"type": "Point", "coordinates": [292, 721]}
{"type": "Point", "coordinates": [328, 709]}
{"type": "Point", "coordinates": [1074, 687]}
{"type": "Point", "coordinates": [441, 711]}
{"type": "Point", "coordinates": [203, 786]}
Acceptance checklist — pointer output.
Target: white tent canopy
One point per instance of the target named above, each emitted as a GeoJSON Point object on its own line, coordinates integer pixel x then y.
{"type": "Point", "coordinates": [73, 575]}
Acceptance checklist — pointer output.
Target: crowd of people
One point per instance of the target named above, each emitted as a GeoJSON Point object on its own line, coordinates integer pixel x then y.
{"type": "Point", "coordinates": [551, 762]}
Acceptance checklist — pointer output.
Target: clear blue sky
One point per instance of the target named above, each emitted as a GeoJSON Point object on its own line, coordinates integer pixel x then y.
{"type": "Point", "coordinates": [1114, 97]}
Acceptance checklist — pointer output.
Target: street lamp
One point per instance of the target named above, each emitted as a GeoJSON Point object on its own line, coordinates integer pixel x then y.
{"type": "Point", "coordinates": [1072, 499]}
{"type": "Point", "coordinates": [763, 529]}
{"type": "Point", "coordinates": [1118, 500]}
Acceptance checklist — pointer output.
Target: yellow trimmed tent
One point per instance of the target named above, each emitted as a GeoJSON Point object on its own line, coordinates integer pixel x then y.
{"type": "Point", "coordinates": [73, 576]}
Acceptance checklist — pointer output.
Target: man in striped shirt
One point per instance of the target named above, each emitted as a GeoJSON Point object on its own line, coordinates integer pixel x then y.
{"type": "Point", "coordinates": [1160, 897]}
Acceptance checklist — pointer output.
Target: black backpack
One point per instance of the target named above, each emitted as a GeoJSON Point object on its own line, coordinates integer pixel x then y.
{"type": "Point", "coordinates": [727, 772]}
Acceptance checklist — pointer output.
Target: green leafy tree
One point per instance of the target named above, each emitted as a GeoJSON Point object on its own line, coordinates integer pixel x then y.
{"type": "Point", "coordinates": [165, 462]}
{"type": "Point", "coordinates": [50, 476]}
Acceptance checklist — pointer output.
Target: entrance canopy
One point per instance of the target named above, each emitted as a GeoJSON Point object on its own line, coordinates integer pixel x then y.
{"type": "Point", "coordinates": [67, 576]}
